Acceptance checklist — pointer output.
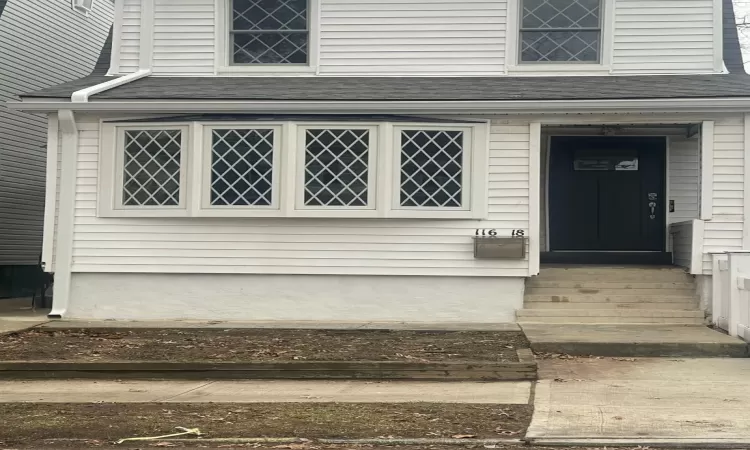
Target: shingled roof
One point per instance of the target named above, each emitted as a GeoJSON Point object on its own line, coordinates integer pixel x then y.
{"type": "Point", "coordinates": [734, 84]}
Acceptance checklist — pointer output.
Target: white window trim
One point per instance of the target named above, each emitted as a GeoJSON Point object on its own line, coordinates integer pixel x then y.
{"type": "Point", "coordinates": [80, 6]}
{"type": "Point", "coordinates": [222, 64]}
{"type": "Point", "coordinates": [202, 189]}
{"type": "Point", "coordinates": [474, 163]}
{"type": "Point", "coordinates": [383, 172]}
{"type": "Point", "coordinates": [111, 170]}
{"type": "Point", "coordinates": [374, 149]}
{"type": "Point", "coordinates": [603, 67]}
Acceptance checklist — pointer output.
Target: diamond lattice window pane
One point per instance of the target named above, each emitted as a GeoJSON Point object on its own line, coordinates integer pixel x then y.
{"type": "Point", "coordinates": [545, 46]}
{"type": "Point", "coordinates": [270, 48]}
{"type": "Point", "coordinates": [561, 31]}
{"type": "Point", "coordinates": [151, 168]}
{"type": "Point", "coordinates": [336, 167]}
{"type": "Point", "coordinates": [242, 167]}
{"type": "Point", "coordinates": [273, 15]}
{"type": "Point", "coordinates": [432, 168]}
{"type": "Point", "coordinates": [561, 14]}
{"type": "Point", "coordinates": [270, 31]}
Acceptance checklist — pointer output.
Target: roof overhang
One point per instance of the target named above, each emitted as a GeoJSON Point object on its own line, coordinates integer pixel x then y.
{"type": "Point", "coordinates": [696, 105]}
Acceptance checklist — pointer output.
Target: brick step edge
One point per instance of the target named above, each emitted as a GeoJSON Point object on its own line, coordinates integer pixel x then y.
{"type": "Point", "coordinates": [299, 370]}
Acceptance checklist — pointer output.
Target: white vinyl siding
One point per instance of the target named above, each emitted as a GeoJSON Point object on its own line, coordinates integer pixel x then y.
{"type": "Point", "coordinates": [724, 231]}
{"type": "Point", "coordinates": [684, 166]}
{"type": "Point", "coordinates": [682, 239]}
{"type": "Point", "coordinates": [304, 246]}
{"type": "Point", "coordinates": [130, 36]}
{"type": "Point", "coordinates": [664, 36]}
{"type": "Point", "coordinates": [184, 37]}
{"type": "Point", "coordinates": [42, 43]}
{"type": "Point", "coordinates": [412, 36]}
{"type": "Point", "coordinates": [429, 37]}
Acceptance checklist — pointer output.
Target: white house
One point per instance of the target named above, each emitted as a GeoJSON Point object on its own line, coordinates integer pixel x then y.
{"type": "Point", "coordinates": [342, 159]}
{"type": "Point", "coordinates": [42, 44]}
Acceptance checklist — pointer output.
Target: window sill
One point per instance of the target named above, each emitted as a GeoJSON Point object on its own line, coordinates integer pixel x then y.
{"type": "Point", "coordinates": [138, 213]}
{"type": "Point", "coordinates": [567, 69]}
{"type": "Point", "coordinates": [265, 71]}
{"type": "Point", "coordinates": [295, 214]}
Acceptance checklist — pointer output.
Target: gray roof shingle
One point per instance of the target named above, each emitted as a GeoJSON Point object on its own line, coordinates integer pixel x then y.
{"type": "Point", "coordinates": [736, 84]}
{"type": "Point", "coordinates": [417, 88]}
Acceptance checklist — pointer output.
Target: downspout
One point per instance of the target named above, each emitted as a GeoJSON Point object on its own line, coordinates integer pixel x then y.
{"type": "Point", "coordinates": [69, 162]}
{"type": "Point", "coordinates": [50, 196]}
{"type": "Point", "coordinates": [66, 213]}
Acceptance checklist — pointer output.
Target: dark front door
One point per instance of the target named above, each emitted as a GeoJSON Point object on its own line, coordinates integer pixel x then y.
{"type": "Point", "coordinates": [607, 194]}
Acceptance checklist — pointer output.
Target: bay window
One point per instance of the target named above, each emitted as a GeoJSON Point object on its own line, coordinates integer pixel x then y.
{"type": "Point", "coordinates": [294, 169]}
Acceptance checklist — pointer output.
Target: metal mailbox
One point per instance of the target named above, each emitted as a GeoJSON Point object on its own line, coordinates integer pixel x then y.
{"type": "Point", "coordinates": [499, 247]}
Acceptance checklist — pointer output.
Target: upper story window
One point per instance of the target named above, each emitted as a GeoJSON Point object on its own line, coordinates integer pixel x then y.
{"type": "Point", "coordinates": [82, 6]}
{"type": "Point", "coordinates": [561, 31]}
{"type": "Point", "coordinates": [269, 32]}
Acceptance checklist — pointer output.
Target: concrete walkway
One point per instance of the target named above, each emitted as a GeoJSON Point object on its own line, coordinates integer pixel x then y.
{"type": "Point", "coordinates": [84, 391]}
{"type": "Point", "coordinates": [688, 400]}
{"type": "Point", "coordinates": [16, 315]}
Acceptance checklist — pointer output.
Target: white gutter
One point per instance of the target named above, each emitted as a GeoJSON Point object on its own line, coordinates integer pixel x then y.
{"type": "Point", "coordinates": [699, 105]}
{"type": "Point", "coordinates": [83, 95]}
{"type": "Point", "coordinates": [66, 213]}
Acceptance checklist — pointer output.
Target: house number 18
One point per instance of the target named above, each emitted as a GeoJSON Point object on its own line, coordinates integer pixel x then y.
{"type": "Point", "coordinates": [493, 232]}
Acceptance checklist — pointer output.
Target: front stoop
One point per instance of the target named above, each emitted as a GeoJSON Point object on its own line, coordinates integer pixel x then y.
{"type": "Point", "coordinates": [629, 340]}
{"type": "Point", "coordinates": [611, 295]}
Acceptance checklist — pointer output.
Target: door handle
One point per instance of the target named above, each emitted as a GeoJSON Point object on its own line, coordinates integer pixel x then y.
{"type": "Point", "coordinates": [652, 205]}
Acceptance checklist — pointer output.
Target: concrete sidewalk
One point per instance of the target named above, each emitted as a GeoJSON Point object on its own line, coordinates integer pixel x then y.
{"type": "Point", "coordinates": [84, 391]}
{"type": "Point", "coordinates": [16, 315]}
{"type": "Point", "coordinates": [643, 399]}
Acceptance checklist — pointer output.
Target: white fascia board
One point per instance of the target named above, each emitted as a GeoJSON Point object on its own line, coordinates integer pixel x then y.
{"type": "Point", "coordinates": [83, 95]}
{"type": "Point", "coordinates": [715, 105]}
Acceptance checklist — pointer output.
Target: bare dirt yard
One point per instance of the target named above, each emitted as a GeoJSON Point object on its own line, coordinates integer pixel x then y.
{"type": "Point", "coordinates": [250, 345]}
{"type": "Point", "coordinates": [102, 423]}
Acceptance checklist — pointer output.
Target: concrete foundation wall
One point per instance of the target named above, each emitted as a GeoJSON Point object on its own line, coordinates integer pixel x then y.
{"type": "Point", "coordinates": [294, 297]}
{"type": "Point", "coordinates": [705, 293]}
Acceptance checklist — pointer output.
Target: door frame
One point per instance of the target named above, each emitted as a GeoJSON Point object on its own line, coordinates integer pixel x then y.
{"type": "Point", "coordinates": [546, 168]}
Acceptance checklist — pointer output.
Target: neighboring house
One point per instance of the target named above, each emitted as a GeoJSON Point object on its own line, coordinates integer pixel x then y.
{"type": "Point", "coordinates": [42, 44]}
{"type": "Point", "coordinates": [335, 159]}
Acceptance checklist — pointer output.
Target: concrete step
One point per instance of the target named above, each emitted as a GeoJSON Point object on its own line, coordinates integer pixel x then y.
{"type": "Point", "coordinates": [609, 321]}
{"type": "Point", "coordinates": [611, 274]}
{"type": "Point", "coordinates": [538, 282]}
{"type": "Point", "coordinates": [611, 313]}
{"type": "Point", "coordinates": [625, 340]}
{"type": "Point", "coordinates": [608, 298]}
{"type": "Point", "coordinates": [619, 277]}
{"type": "Point", "coordinates": [689, 306]}
{"type": "Point", "coordinates": [533, 290]}
{"type": "Point", "coordinates": [673, 321]}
